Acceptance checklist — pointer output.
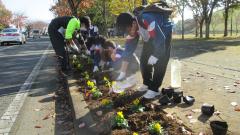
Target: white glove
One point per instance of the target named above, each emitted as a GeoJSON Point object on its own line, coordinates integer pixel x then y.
{"type": "Point", "coordinates": [121, 76]}
{"type": "Point", "coordinates": [95, 69]}
{"type": "Point", "coordinates": [88, 52]}
{"type": "Point", "coordinates": [152, 60]}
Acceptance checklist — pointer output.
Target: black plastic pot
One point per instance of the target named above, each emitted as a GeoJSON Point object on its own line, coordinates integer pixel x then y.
{"type": "Point", "coordinates": [219, 127]}
{"type": "Point", "coordinates": [189, 100]}
{"type": "Point", "coordinates": [168, 92]}
{"type": "Point", "coordinates": [207, 109]}
{"type": "Point", "coordinates": [164, 100]}
{"type": "Point", "coordinates": [177, 96]}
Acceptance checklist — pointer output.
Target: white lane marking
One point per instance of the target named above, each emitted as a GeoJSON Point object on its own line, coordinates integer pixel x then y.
{"type": "Point", "coordinates": [4, 48]}
{"type": "Point", "coordinates": [10, 115]}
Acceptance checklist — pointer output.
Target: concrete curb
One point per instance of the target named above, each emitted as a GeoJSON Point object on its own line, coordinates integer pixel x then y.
{"type": "Point", "coordinates": [81, 113]}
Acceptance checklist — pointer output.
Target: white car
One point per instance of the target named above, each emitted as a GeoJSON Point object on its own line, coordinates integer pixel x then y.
{"type": "Point", "coordinates": [36, 34]}
{"type": "Point", "coordinates": [12, 35]}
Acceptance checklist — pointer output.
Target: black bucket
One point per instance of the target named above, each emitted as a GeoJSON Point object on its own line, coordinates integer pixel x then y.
{"type": "Point", "coordinates": [168, 92]}
{"type": "Point", "coordinates": [189, 100]}
{"type": "Point", "coordinates": [219, 127]}
{"type": "Point", "coordinates": [207, 109]}
{"type": "Point", "coordinates": [164, 100]}
{"type": "Point", "coordinates": [177, 96]}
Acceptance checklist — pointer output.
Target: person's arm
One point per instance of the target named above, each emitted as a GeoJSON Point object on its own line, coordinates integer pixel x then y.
{"type": "Point", "coordinates": [73, 24]}
{"type": "Point", "coordinates": [130, 47]}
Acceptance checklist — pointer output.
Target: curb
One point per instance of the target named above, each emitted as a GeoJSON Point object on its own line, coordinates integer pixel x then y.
{"type": "Point", "coordinates": [81, 113]}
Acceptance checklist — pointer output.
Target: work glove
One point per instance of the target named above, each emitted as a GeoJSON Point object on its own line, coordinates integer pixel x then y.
{"type": "Point", "coordinates": [152, 60]}
{"type": "Point", "coordinates": [121, 76]}
{"type": "Point", "coordinates": [95, 69]}
{"type": "Point", "coordinates": [88, 52]}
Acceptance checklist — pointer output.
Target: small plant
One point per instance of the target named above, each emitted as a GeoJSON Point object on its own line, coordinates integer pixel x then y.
{"type": "Point", "coordinates": [136, 106]}
{"type": "Point", "coordinates": [106, 103]}
{"type": "Point", "coordinates": [96, 93]}
{"type": "Point", "coordinates": [120, 121]}
{"type": "Point", "coordinates": [86, 75]}
{"type": "Point", "coordinates": [155, 128]}
{"type": "Point", "coordinates": [135, 133]}
{"type": "Point", "coordinates": [107, 82]}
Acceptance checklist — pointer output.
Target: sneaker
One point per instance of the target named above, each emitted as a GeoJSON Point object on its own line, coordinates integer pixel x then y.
{"type": "Point", "coordinates": [142, 88]}
{"type": "Point", "coordinates": [151, 94]}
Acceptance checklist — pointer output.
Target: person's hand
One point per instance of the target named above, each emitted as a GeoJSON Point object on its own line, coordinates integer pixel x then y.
{"type": "Point", "coordinates": [88, 52]}
{"type": "Point", "coordinates": [152, 60]}
{"type": "Point", "coordinates": [95, 69]}
{"type": "Point", "coordinates": [69, 41]}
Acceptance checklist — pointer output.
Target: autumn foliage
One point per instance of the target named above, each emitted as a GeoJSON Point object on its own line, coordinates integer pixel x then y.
{"type": "Point", "coordinates": [67, 7]}
{"type": "Point", "coordinates": [5, 16]}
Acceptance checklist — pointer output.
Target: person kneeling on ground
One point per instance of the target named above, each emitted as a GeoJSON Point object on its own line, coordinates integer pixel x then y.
{"type": "Point", "coordinates": [113, 55]}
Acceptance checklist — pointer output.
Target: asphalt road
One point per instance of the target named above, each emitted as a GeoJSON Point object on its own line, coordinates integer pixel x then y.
{"type": "Point", "coordinates": [27, 74]}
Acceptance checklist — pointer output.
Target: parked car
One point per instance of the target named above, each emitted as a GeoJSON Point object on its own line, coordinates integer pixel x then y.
{"type": "Point", "coordinates": [36, 34]}
{"type": "Point", "coordinates": [12, 35]}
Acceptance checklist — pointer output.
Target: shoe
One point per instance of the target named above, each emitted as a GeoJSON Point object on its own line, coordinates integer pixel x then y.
{"type": "Point", "coordinates": [142, 88]}
{"type": "Point", "coordinates": [121, 76]}
{"type": "Point", "coordinates": [151, 94]}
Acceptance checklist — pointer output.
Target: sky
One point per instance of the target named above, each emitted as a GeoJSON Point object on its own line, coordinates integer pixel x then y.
{"type": "Point", "coordinates": [39, 9]}
{"type": "Point", "coordinates": [34, 9]}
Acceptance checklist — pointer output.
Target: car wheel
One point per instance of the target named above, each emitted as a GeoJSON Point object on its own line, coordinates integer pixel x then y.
{"type": "Point", "coordinates": [20, 43]}
{"type": "Point", "coordinates": [2, 44]}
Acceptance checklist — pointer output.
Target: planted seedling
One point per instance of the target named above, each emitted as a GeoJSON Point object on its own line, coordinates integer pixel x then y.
{"type": "Point", "coordinates": [96, 93]}
{"type": "Point", "coordinates": [106, 103]}
{"type": "Point", "coordinates": [86, 75]}
{"type": "Point", "coordinates": [155, 128]}
{"type": "Point", "coordinates": [136, 106]}
{"type": "Point", "coordinates": [120, 121]}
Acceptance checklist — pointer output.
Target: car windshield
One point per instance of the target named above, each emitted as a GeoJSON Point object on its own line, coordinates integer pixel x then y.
{"type": "Point", "coordinates": [9, 30]}
{"type": "Point", "coordinates": [35, 31]}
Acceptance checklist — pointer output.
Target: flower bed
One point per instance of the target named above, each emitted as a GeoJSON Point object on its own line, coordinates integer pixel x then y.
{"type": "Point", "coordinates": [124, 113]}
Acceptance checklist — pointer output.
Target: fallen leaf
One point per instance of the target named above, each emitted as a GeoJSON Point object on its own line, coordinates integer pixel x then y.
{"type": "Point", "coordinates": [213, 78]}
{"type": "Point", "coordinates": [82, 125]}
{"type": "Point", "coordinates": [237, 108]}
{"type": "Point", "coordinates": [235, 85]}
{"type": "Point", "coordinates": [237, 82]}
{"type": "Point", "coordinates": [189, 116]}
{"type": "Point", "coordinates": [234, 103]}
{"type": "Point", "coordinates": [38, 126]}
{"type": "Point", "coordinates": [46, 117]}
{"type": "Point", "coordinates": [37, 110]}
{"type": "Point", "coordinates": [217, 113]}
{"type": "Point", "coordinates": [201, 133]}
{"type": "Point", "coordinates": [193, 121]}
{"type": "Point", "coordinates": [231, 91]}
{"type": "Point", "coordinates": [196, 110]}
{"type": "Point", "coordinates": [210, 88]}
{"type": "Point", "coordinates": [99, 113]}
{"type": "Point", "coordinates": [226, 88]}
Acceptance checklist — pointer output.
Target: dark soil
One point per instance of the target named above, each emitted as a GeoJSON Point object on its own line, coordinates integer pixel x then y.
{"type": "Point", "coordinates": [138, 122]}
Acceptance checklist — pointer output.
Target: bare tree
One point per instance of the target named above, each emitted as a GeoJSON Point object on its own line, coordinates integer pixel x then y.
{"type": "Point", "coordinates": [195, 6]}
{"type": "Point", "coordinates": [181, 5]}
{"type": "Point", "coordinates": [207, 8]}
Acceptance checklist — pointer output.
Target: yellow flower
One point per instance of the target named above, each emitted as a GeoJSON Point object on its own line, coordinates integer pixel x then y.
{"type": "Point", "coordinates": [134, 133]}
{"type": "Point", "coordinates": [105, 102]}
{"type": "Point", "coordinates": [105, 78]}
{"type": "Point", "coordinates": [120, 114]}
{"type": "Point", "coordinates": [136, 102]}
{"type": "Point", "coordinates": [90, 84]}
{"type": "Point", "coordinates": [157, 127]}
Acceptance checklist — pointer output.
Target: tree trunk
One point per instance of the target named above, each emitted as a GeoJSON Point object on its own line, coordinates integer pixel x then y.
{"type": "Point", "coordinates": [231, 21]}
{"type": "Point", "coordinates": [196, 27]}
{"type": "Point", "coordinates": [201, 28]}
{"type": "Point", "coordinates": [104, 18]}
{"type": "Point", "coordinates": [182, 25]}
{"type": "Point", "coordinates": [226, 9]}
{"type": "Point", "coordinates": [73, 9]}
{"type": "Point", "coordinates": [207, 25]}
